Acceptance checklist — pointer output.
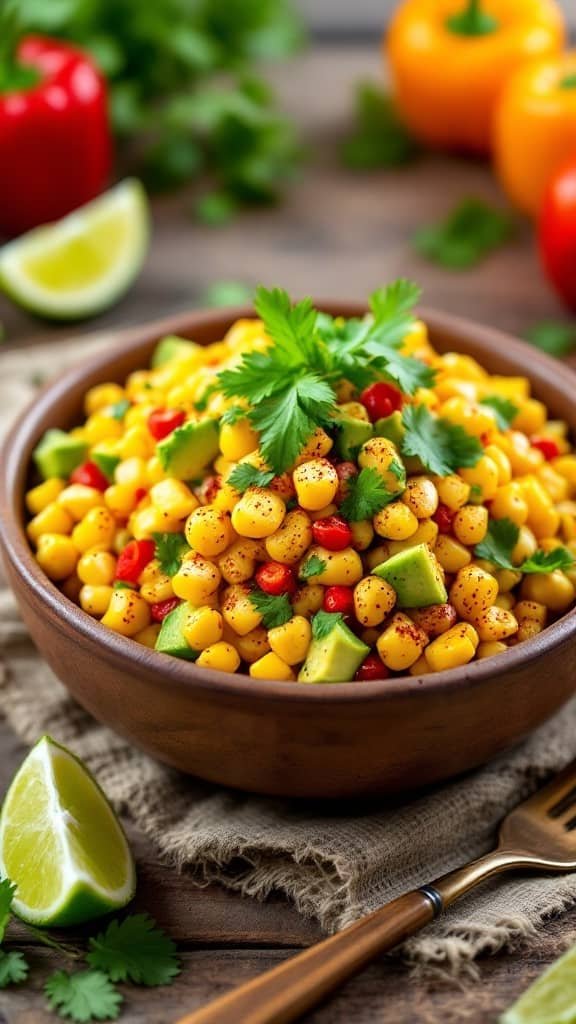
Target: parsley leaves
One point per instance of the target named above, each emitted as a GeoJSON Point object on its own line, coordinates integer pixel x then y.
{"type": "Point", "coordinates": [243, 476]}
{"type": "Point", "coordinates": [467, 235]}
{"type": "Point", "coordinates": [380, 139]}
{"type": "Point", "coordinates": [275, 610]}
{"type": "Point", "coordinates": [442, 447]}
{"type": "Point", "coordinates": [13, 968]}
{"type": "Point", "coordinates": [505, 410]}
{"type": "Point", "coordinates": [84, 996]}
{"type": "Point", "coordinates": [500, 541]}
{"type": "Point", "coordinates": [366, 495]}
{"type": "Point", "coordinates": [313, 566]}
{"type": "Point", "coordinates": [135, 950]}
{"type": "Point", "coordinates": [323, 623]}
{"type": "Point", "coordinates": [170, 550]}
{"type": "Point", "coordinates": [548, 561]}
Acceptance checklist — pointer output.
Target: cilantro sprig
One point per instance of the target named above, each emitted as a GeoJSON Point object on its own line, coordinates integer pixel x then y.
{"type": "Point", "coordinates": [83, 996]}
{"type": "Point", "coordinates": [443, 447]}
{"type": "Point", "coordinates": [504, 410]}
{"type": "Point", "coordinates": [469, 233]}
{"type": "Point", "coordinates": [170, 550]}
{"type": "Point", "coordinates": [243, 476]}
{"type": "Point", "coordinates": [324, 622]}
{"type": "Point", "coordinates": [500, 541]}
{"type": "Point", "coordinates": [275, 610]}
{"type": "Point", "coordinates": [313, 566]}
{"type": "Point", "coordinates": [367, 494]}
{"type": "Point", "coordinates": [136, 950]}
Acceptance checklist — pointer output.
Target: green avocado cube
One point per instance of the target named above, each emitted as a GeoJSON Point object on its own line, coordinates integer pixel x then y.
{"type": "Point", "coordinates": [334, 658]}
{"type": "Point", "coordinates": [352, 434]}
{"type": "Point", "coordinates": [392, 428]}
{"type": "Point", "coordinates": [171, 639]}
{"type": "Point", "coordinates": [58, 454]}
{"type": "Point", "coordinates": [105, 461]}
{"type": "Point", "coordinates": [187, 451]}
{"type": "Point", "coordinates": [415, 576]}
{"type": "Point", "coordinates": [172, 347]}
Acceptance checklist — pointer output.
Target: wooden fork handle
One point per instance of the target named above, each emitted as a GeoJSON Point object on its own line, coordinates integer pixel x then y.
{"type": "Point", "coordinates": [296, 986]}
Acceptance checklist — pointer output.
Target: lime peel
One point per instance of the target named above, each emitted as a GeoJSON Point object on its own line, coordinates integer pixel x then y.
{"type": "Point", "coordinates": [551, 999]}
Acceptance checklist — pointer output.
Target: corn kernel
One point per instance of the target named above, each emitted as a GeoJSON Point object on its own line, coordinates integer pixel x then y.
{"type": "Point", "coordinates": [454, 648]}
{"type": "Point", "coordinates": [44, 494]}
{"type": "Point", "coordinates": [509, 503]}
{"type": "Point", "coordinates": [401, 643]}
{"type": "Point", "coordinates": [470, 524]}
{"type": "Point", "coordinates": [396, 521]}
{"type": "Point", "coordinates": [496, 624]}
{"type": "Point", "coordinates": [56, 555]}
{"type": "Point", "coordinates": [271, 667]}
{"type": "Point", "coordinates": [222, 657]}
{"type": "Point", "coordinates": [316, 483]}
{"type": "Point", "coordinates": [258, 513]}
{"type": "Point", "coordinates": [489, 649]}
{"type": "Point", "coordinates": [52, 519]}
{"type": "Point", "coordinates": [341, 568]}
{"type": "Point", "coordinates": [102, 395]}
{"type": "Point", "coordinates": [196, 580]}
{"type": "Point", "coordinates": [237, 562]}
{"type": "Point", "coordinates": [144, 522]}
{"type": "Point", "coordinates": [374, 599]}
{"type": "Point", "coordinates": [472, 592]}
{"type": "Point", "coordinates": [148, 636]}
{"type": "Point", "coordinates": [484, 476]}
{"type": "Point", "coordinates": [97, 567]}
{"type": "Point", "coordinates": [209, 531]}
{"type": "Point", "coordinates": [252, 645]}
{"type": "Point", "coordinates": [238, 611]}
{"type": "Point", "coordinates": [308, 599]}
{"type": "Point", "coordinates": [554, 590]}
{"type": "Point", "coordinates": [451, 554]}
{"type": "Point", "coordinates": [292, 640]}
{"type": "Point", "coordinates": [237, 440]}
{"type": "Point", "coordinates": [531, 610]}
{"type": "Point", "coordinates": [127, 613]}
{"type": "Point", "coordinates": [380, 454]}
{"type": "Point", "coordinates": [95, 599]}
{"type": "Point", "coordinates": [452, 491]}
{"type": "Point", "coordinates": [132, 472]}
{"type": "Point", "coordinates": [173, 498]}
{"type": "Point", "coordinates": [203, 627]}
{"type": "Point", "coordinates": [97, 529]}
{"type": "Point", "coordinates": [362, 534]}
{"type": "Point", "coordinates": [543, 519]}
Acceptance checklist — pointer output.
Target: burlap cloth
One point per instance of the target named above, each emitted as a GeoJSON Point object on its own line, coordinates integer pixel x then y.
{"type": "Point", "coordinates": [334, 863]}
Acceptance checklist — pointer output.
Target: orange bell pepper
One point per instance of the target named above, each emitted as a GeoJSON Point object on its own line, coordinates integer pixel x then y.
{"type": "Point", "coordinates": [449, 60]}
{"type": "Point", "coordinates": [535, 128]}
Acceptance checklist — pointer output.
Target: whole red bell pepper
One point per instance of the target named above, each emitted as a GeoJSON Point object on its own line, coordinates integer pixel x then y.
{"type": "Point", "coordinates": [557, 232]}
{"type": "Point", "coordinates": [55, 146]}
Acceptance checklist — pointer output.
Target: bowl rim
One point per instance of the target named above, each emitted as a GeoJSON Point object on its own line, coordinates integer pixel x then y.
{"type": "Point", "coordinates": [66, 615]}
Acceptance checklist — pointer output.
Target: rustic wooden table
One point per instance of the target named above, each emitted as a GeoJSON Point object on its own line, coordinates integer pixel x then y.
{"type": "Point", "coordinates": [336, 235]}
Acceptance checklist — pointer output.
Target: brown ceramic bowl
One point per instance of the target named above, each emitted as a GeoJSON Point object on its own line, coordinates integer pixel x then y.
{"type": "Point", "coordinates": [285, 738]}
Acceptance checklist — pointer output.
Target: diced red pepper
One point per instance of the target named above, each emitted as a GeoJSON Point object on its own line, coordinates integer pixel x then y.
{"type": "Point", "coordinates": [90, 475]}
{"type": "Point", "coordinates": [339, 599]}
{"type": "Point", "coordinates": [276, 579]}
{"type": "Point", "coordinates": [443, 517]}
{"type": "Point", "coordinates": [371, 668]}
{"type": "Point", "coordinates": [140, 493]}
{"type": "Point", "coordinates": [161, 609]}
{"type": "Point", "coordinates": [332, 533]}
{"type": "Point", "coordinates": [381, 400]}
{"type": "Point", "coordinates": [547, 445]}
{"type": "Point", "coordinates": [134, 559]}
{"type": "Point", "coordinates": [162, 422]}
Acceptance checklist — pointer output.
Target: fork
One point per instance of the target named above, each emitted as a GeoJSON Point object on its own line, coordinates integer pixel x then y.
{"type": "Point", "coordinates": [538, 835]}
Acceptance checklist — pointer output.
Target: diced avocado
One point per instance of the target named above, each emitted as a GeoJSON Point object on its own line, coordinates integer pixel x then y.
{"type": "Point", "coordinates": [106, 461]}
{"type": "Point", "coordinates": [352, 435]}
{"type": "Point", "coordinates": [415, 576]}
{"type": "Point", "coordinates": [171, 640]}
{"type": "Point", "coordinates": [58, 454]}
{"type": "Point", "coordinates": [187, 451]}
{"type": "Point", "coordinates": [334, 658]}
{"type": "Point", "coordinates": [172, 347]}
{"type": "Point", "coordinates": [391, 427]}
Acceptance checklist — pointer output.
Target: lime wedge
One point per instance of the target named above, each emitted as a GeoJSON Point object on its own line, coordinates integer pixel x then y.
{"type": "Point", "coordinates": [81, 264]}
{"type": "Point", "coordinates": [552, 997]}
{"type": "Point", "coordinates": [60, 842]}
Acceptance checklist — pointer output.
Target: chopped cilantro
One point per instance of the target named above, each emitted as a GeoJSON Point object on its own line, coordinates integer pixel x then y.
{"type": "Point", "coordinates": [499, 543]}
{"type": "Point", "coordinates": [548, 561]}
{"type": "Point", "coordinates": [380, 138]}
{"type": "Point", "coordinates": [468, 234]}
{"type": "Point", "coordinates": [313, 566]}
{"type": "Point", "coordinates": [367, 494]}
{"type": "Point", "coordinates": [202, 404]}
{"type": "Point", "coordinates": [323, 623]}
{"type": "Point", "coordinates": [243, 476]}
{"type": "Point", "coordinates": [554, 337]}
{"type": "Point", "coordinates": [233, 415]}
{"type": "Point", "coordinates": [119, 409]}
{"type": "Point", "coordinates": [275, 611]}
{"type": "Point", "coordinates": [170, 550]}
{"type": "Point", "coordinates": [442, 447]}
{"type": "Point", "coordinates": [505, 410]}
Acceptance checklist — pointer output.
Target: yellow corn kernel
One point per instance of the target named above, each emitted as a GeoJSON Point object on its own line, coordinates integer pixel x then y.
{"type": "Point", "coordinates": [509, 502]}
{"type": "Point", "coordinates": [271, 667]}
{"type": "Point", "coordinates": [223, 466]}
{"type": "Point", "coordinates": [496, 624]}
{"type": "Point", "coordinates": [100, 427]}
{"type": "Point", "coordinates": [395, 521]}
{"type": "Point", "coordinates": [427, 533]}
{"type": "Point", "coordinates": [43, 495]}
{"type": "Point", "coordinates": [421, 497]}
{"type": "Point", "coordinates": [237, 440]}
{"type": "Point", "coordinates": [470, 524]}
{"type": "Point", "coordinates": [252, 645]}
{"type": "Point", "coordinates": [127, 613]}
{"type": "Point", "coordinates": [203, 627]}
{"type": "Point", "coordinates": [156, 588]}
{"type": "Point", "coordinates": [237, 564]}
{"type": "Point", "coordinates": [515, 388]}
{"type": "Point", "coordinates": [148, 520]}
{"type": "Point", "coordinates": [137, 415]}
{"type": "Point", "coordinates": [523, 458]}
{"type": "Point", "coordinates": [501, 461]}
{"type": "Point", "coordinates": [459, 365]}
{"type": "Point", "coordinates": [451, 554]}
{"type": "Point", "coordinates": [374, 599]}
{"type": "Point", "coordinates": [102, 395]}
{"type": "Point", "coordinates": [472, 592]}
{"type": "Point", "coordinates": [362, 534]}
{"type": "Point", "coordinates": [323, 513]}
{"type": "Point", "coordinates": [316, 484]}
{"type": "Point", "coordinates": [154, 471]}
{"type": "Point", "coordinates": [565, 465]}
{"type": "Point", "coordinates": [209, 531]}
{"type": "Point", "coordinates": [132, 472]}
{"type": "Point", "coordinates": [531, 610]}
{"type": "Point", "coordinates": [316, 447]}
{"type": "Point", "coordinates": [475, 419]}
{"type": "Point", "coordinates": [531, 417]}
{"type": "Point", "coordinates": [376, 556]}
{"type": "Point", "coordinates": [78, 499]}
{"type": "Point", "coordinates": [483, 476]}
{"type": "Point", "coordinates": [97, 567]}
{"type": "Point", "coordinates": [238, 611]}
{"type": "Point", "coordinates": [506, 601]}
{"type": "Point", "coordinates": [341, 568]}
{"type": "Point", "coordinates": [420, 667]}
{"type": "Point", "coordinates": [52, 519]}
{"type": "Point", "coordinates": [489, 649]}
{"type": "Point", "coordinates": [121, 538]}
{"type": "Point", "coordinates": [95, 599]}
{"type": "Point", "coordinates": [556, 485]}
{"type": "Point", "coordinates": [401, 643]}
{"type": "Point", "coordinates": [196, 580]}
{"type": "Point", "coordinates": [528, 629]}
{"type": "Point", "coordinates": [173, 498]}
{"type": "Point", "coordinates": [507, 579]}
{"type": "Point", "coordinates": [380, 454]}
{"type": "Point", "coordinates": [56, 555]}
{"type": "Point", "coordinates": [456, 647]}
{"type": "Point", "coordinates": [97, 529]}
{"type": "Point", "coordinates": [554, 590]}
{"type": "Point", "coordinates": [543, 519]}
{"type": "Point", "coordinates": [120, 499]}
{"type": "Point", "coordinates": [567, 512]}
{"type": "Point", "coordinates": [308, 599]}
{"type": "Point", "coordinates": [225, 498]}
{"type": "Point", "coordinates": [148, 636]}
{"type": "Point", "coordinates": [292, 538]}
{"type": "Point", "coordinates": [452, 491]}
{"type": "Point", "coordinates": [222, 657]}
{"type": "Point", "coordinates": [136, 443]}
{"type": "Point", "coordinates": [525, 546]}
{"type": "Point", "coordinates": [258, 513]}
{"type": "Point", "coordinates": [292, 640]}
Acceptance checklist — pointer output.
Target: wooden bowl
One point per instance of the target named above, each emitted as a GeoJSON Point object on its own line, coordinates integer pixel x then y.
{"type": "Point", "coordinates": [335, 740]}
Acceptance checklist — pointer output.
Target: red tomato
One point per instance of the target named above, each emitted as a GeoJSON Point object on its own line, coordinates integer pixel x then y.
{"type": "Point", "coordinates": [557, 232]}
{"type": "Point", "coordinates": [140, 493]}
{"type": "Point", "coordinates": [371, 668]}
{"type": "Point", "coordinates": [275, 578]}
{"type": "Point", "coordinates": [547, 445]}
{"type": "Point", "coordinates": [332, 533]}
{"type": "Point", "coordinates": [134, 559]}
{"type": "Point", "coordinates": [161, 609]}
{"type": "Point", "coordinates": [381, 399]}
{"type": "Point", "coordinates": [443, 517]}
{"type": "Point", "coordinates": [90, 475]}
{"type": "Point", "coordinates": [339, 599]}
{"type": "Point", "coordinates": [162, 422]}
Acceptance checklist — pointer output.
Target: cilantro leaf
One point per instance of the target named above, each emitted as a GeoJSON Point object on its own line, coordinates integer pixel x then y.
{"type": "Point", "coordinates": [288, 419]}
{"type": "Point", "coordinates": [243, 476]}
{"type": "Point", "coordinates": [380, 138]}
{"type": "Point", "coordinates": [442, 447]}
{"type": "Point", "coordinates": [233, 415]}
{"type": "Point", "coordinates": [499, 543]}
{"type": "Point", "coordinates": [553, 337]}
{"type": "Point", "coordinates": [506, 411]}
{"type": "Point", "coordinates": [468, 234]}
{"type": "Point", "coordinates": [290, 326]}
{"type": "Point", "coordinates": [275, 610]}
{"type": "Point", "coordinates": [323, 623]}
{"type": "Point", "coordinates": [367, 494]}
{"type": "Point", "coordinates": [7, 891]}
{"type": "Point", "coordinates": [119, 409]}
{"type": "Point", "coordinates": [202, 403]}
{"type": "Point", "coordinates": [408, 373]}
{"type": "Point", "coordinates": [548, 561]}
{"type": "Point", "coordinates": [313, 566]}
{"type": "Point", "coordinates": [13, 969]}
{"type": "Point", "coordinates": [83, 997]}
{"type": "Point", "coordinates": [135, 949]}
{"type": "Point", "coordinates": [170, 550]}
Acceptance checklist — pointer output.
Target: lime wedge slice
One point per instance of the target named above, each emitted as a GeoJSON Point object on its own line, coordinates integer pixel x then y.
{"type": "Point", "coordinates": [81, 264]}
{"type": "Point", "coordinates": [60, 842]}
{"type": "Point", "coordinates": [552, 997]}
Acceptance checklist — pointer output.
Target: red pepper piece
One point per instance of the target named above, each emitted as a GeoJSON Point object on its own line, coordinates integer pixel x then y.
{"type": "Point", "coordinates": [134, 559]}
{"type": "Point", "coordinates": [162, 422]}
{"type": "Point", "coordinates": [339, 599]}
{"type": "Point", "coordinates": [276, 579]}
{"type": "Point", "coordinates": [140, 493]}
{"type": "Point", "coordinates": [381, 400]}
{"type": "Point", "coordinates": [161, 609]}
{"type": "Point", "coordinates": [443, 517]}
{"type": "Point", "coordinates": [547, 445]}
{"type": "Point", "coordinates": [332, 533]}
{"type": "Point", "coordinates": [90, 475]}
{"type": "Point", "coordinates": [371, 668]}
{"type": "Point", "coordinates": [54, 134]}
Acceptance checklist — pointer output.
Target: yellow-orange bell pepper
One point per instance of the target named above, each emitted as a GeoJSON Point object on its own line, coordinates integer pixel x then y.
{"type": "Point", "coordinates": [449, 60]}
{"type": "Point", "coordinates": [535, 128]}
